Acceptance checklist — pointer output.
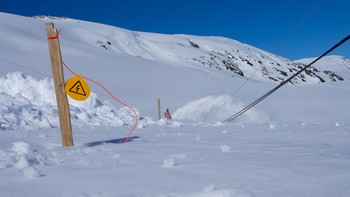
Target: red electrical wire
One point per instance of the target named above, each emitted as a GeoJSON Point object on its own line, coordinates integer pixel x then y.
{"type": "Point", "coordinates": [119, 101]}
{"type": "Point", "coordinates": [105, 89]}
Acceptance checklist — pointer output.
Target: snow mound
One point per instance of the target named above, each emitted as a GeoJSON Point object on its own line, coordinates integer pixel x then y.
{"type": "Point", "coordinates": [225, 149]}
{"type": "Point", "coordinates": [172, 161]}
{"type": "Point", "coordinates": [214, 108]}
{"type": "Point", "coordinates": [20, 157]}
{"type": "Point", "coordinates": [27, 103]}
{"type": "Point", "coordinates": [169, 163]}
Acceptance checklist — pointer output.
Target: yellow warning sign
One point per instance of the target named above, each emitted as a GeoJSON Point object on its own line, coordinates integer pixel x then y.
{"type": "Point", "coordinates": [77, 88]}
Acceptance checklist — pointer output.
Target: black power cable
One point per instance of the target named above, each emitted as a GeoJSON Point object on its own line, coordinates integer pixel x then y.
{"type": "Point", "coordinates": [236, 115]}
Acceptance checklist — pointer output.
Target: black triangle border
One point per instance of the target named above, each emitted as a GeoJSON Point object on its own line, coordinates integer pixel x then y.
{"type": "Point", "coordinates": [82, 88]}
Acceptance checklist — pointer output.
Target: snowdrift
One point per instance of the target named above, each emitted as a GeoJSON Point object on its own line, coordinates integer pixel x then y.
{"type": "Point", "coordinates": [27, 103]}
{"type": "Point", "coordinates": [214, 108]}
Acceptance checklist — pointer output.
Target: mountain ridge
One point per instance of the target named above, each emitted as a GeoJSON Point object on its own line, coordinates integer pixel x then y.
{"type": "Point", "coordinates": [203, 52]}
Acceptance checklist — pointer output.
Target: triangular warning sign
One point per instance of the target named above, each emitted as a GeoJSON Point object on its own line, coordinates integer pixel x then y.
{"type": "Point", "coordinates": [77, 88]}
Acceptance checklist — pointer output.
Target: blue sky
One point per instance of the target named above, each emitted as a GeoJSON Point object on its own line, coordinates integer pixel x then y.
{"type": "Point", "coordinates": [291, 28]}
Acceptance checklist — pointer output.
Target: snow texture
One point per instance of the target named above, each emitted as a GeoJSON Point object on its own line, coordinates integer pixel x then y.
{"type": "Point", "coordinates": [213, 108]}
{"type": "Point", "coordinates": [27, 103]}
{"type": "Point", "coordinates": [294, 143]}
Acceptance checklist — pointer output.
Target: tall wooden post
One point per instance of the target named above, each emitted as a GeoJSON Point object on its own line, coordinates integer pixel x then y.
{"type": "Point", "coordinates": [61, 96]}
{"type": "Point", "coordinates": [159, 115]}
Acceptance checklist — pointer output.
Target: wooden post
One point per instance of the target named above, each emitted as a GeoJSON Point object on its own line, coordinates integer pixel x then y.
{"type": "Point", "coordinates": [159, 115]}
{"type": "Point", "coordinates": [58, 78]}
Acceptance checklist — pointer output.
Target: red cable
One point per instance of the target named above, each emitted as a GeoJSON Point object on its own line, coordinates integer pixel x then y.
{"type": "Point", "coordinates": [105, 89]}
{"type": "Point", "coordinates": [119, 101]}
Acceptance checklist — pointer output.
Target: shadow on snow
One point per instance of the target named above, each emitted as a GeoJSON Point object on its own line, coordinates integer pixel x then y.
{"type": "Point", "coordinates": [113, 141]}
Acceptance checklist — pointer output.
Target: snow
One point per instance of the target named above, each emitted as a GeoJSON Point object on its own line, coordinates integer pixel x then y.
{"type": "Point", "coordinates": [311, 160]}
{"type": "Point", "coordinates": [213, 108]}
{"type": "Point", "coordinates": [225, 148]}
{"type": "Point", "coordinates": [27, 103]}
{"type": "Point", "coordinates": [294, 143]}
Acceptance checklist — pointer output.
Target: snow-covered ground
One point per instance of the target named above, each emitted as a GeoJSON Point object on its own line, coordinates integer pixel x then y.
{"type": "Point", "coordinates": [191, 160]}
{"type": "Point", "coordinates": [294, 143]}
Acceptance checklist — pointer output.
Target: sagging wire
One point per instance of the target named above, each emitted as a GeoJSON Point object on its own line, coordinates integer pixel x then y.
{"type": "Point", "coordinates": [269, 56]}
{"type": "Point", "coordinates": [236, 115]}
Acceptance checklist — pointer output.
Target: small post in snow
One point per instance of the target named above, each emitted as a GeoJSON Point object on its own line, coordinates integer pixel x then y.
{"type": "Point", "coordinates": [58, 78]}
{"type": "Point", "coordinates": [159, 115]}
{"type": "Point", "coordinates": [167, 114]}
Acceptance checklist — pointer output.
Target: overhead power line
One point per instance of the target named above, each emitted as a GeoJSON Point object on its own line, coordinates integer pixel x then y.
{"type": "Point", "coordinates": [236, 115]}
{"type": "Point", "coordinates": [280, 43]}
{"type": "Point", "coordinates": [25, 67]}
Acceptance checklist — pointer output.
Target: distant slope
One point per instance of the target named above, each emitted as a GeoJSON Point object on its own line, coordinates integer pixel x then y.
{"type": "Point", "coordinates": [217, 53]}
{"type": "Point", "coordinates": [209, 53]}
{"type": "Point", "coordinates": [330, 65]}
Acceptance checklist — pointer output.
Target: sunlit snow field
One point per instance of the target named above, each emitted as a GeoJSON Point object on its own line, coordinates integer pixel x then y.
{"type": "Point", "coordinates": [294, 143]}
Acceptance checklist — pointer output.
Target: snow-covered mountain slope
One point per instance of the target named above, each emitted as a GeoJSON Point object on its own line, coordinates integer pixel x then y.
{"type": "Point", "coordinates": [216, 53]}
{"type": "Point", "coordinates": [208, 53]}
{"type": "Point", "coordinates": [181, 70]}
{"type": "Point", "coordinates": [330, 65]}
{"type": "Point", "coordinates": [203, 53]}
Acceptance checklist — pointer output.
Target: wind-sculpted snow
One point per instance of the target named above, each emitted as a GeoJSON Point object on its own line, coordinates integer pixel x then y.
{"type": "Point", "coordinates": [27, 103]}
{"type": "Point", "coordinates": [214, 108]}
{"type": "Point", "coordinates": [21, 156]}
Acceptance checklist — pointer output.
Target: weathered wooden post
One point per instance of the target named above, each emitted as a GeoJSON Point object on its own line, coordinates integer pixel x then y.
{"type": "Point", "coordinates": [58, 78]}
{"type": "Point", "coordinates": [159, 115]}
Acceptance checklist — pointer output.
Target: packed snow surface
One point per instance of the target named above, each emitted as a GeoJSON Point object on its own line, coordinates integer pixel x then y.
{"type": "Point", "coordinates": [294, 143]}
{"type": "Point", "coordinates": [192, 160]}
